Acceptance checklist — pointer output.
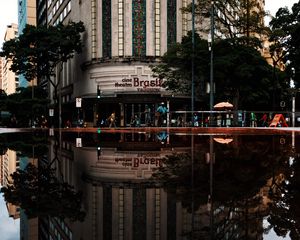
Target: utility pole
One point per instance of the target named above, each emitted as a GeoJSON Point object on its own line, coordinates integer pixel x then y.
{"type": "Point", "coordinates": [293, 90]}
{"type": "Point", "coordinates": [211, 42]}
{"type": "Point", "coordinates": [193, 61]}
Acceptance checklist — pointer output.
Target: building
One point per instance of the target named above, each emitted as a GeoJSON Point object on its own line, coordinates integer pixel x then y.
{"type": "Point", "coordinates": [10, 81]}
{"type": "Point", "coordinates": [9, 164]}
{"type": "Point", "coordinates": [26, 15]}
{"type": "Point", "coordinates": [122, 39]}
{"type": "Point", "coordinates": [41, 12]}
{"type": "Point", "coordinates": [1, 72]}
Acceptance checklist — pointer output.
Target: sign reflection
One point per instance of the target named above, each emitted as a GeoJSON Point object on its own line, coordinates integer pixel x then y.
{"type": "Point", "coordinates": [142, 186]}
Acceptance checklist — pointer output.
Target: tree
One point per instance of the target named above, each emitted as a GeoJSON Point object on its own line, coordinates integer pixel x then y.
{"type": "Point", "coordinates": [39, 50]}
{"type": "Point", "coordinates": [39, 193]}
{"type": "Point", "coordinates": [40, 190]}
{"type": "Point", "coordinates": [245, 18]}
{"type": "Point", "coordinates": [238, 174]}
{"type": "Point", "coordinates": [3, 97]}
{"type": "Point", "coordinates": [285, 28]}
{"type": "Point", "coordinates": [21, 104]}
{"type": "Point", "coordinates": [241, 74]}
{"type": "Point", "coordinates": [175, 67]}
{"type": "Point", "coordinates": [284, 50]}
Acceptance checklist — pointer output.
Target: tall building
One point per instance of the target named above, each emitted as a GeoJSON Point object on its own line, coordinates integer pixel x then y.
{"type": "Point", "coordinates": [10, 163]}
{"type": "Point", "coordinates": [10, 80]}
{"type": "Point", "coordinates": [41, 12]}
{"type": "Point", "coordinates": [122, 38]}
{"type": "Point", "coordinates": [1, 72]}
{"type": "Point", "coordinates": [26, 15]}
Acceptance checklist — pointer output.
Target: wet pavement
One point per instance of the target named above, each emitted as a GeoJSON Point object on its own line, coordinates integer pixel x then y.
{"type": "Point", "coordinates": [146, 183]}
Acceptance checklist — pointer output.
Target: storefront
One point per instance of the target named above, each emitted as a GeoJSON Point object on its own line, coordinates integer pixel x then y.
{"type": "Point", "coordinates": [130, 92]}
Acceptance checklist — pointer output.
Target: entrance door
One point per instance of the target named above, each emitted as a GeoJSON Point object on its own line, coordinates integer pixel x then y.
{"type": "Point", "coordinates": [139, 114]}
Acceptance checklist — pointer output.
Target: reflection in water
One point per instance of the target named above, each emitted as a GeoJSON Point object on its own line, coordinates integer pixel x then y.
{"type": "Point", "coordinates": [143, 186]}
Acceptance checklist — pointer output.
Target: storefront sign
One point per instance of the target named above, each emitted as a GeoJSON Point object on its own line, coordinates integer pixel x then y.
{"type": "Point", "coordinates": [153, 85]}
{"type": "Point", "coordinates": [78, 102]}
{"type": "Point", "coordinates": [140, 161]}
{"type": "Point", "coordinates": [78, 142]}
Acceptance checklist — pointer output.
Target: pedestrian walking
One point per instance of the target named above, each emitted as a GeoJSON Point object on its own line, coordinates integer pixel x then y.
{"type": "Point", "coordinates": [162, 114]}
{"type": "Point", "coordinates": [264, 120]}
{"type": "Point", "coordinates": [195, 120]}
{"type": "Point", "coordinates": [112, 120]}
{"type": "Point", "coordinates": [135, 121]}
{"type": "Point", "coordinates": [148, 120]}
{"type": "Point", "coordinates": [253, 119]}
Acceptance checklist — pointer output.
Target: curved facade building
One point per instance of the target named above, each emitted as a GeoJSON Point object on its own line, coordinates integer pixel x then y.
{"type": "Point", "coordinates": [122, 38]}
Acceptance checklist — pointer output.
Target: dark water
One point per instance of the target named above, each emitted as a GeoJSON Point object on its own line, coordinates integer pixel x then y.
{"type": "Point", "coordinates": [150, 186]}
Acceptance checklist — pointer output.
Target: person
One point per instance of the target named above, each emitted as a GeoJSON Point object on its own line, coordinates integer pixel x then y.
{"type": "Point", "coordinates": [135, 121]}
{"type": "Point", "coordinates": [147, 112]}
{"type": "Point", "coordinates": [162, 113]}
{"type": "Point", "coordinates": [13, 121]}
{"type": "Point", "coordinates": [112, 120]}
{"type": "Point", "coordinates": [264, 120]}
{"type": "Point", "coordinates": [195, 120]}
{"type": "Point", "coordinates": [162, 137]}
{"type": "Point", "coordinates": [44, 122]}
{"type": "Point", "coordinates": [253, 120]}
{"type": "Point", "coordinates": [68, 124]}
{"type": "Point", "coordinates": [179, 121]}
{"type": "Point", "coordinates": [219, 120]}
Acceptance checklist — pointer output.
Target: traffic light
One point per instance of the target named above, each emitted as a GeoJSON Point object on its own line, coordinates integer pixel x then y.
{"type": "Point", "coordinates": [98, 92]}
{"type": "Point", "coordinates": [99, 152]}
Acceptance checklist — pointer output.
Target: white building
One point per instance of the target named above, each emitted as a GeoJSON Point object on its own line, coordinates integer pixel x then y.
{"type": "Point", "coordinates": [122, 38]}
{"type": "Point", "coordinates": [10, 80]}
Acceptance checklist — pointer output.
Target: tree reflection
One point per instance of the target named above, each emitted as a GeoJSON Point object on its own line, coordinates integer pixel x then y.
{"type": "Point", "coordinates": [240, 175]}
{"type": "Point", "coordinates": [284, 215]}
{"type": "Point", "coordinates": [40, 193]}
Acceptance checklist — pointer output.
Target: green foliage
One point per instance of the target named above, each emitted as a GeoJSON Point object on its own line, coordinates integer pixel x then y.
{"type": "Point", "coordinates": [24, 142]}
{"type": "Point", "coordinates": [3, 97]}
{"type": "Point", "coordinates": [245, 23]}
{"type": "Point", "coordinates": [38, 50]}
{"type": "Point", "coordinates": [285, 28]}
{"type": "Point", "coordinates": [39, 193]}
{"type": "Point", "coordinates": [241, 74]}
{"type": "Point", "coordinates": [176, 65]}
{"type": "Point", "coordinates": [26, 104]}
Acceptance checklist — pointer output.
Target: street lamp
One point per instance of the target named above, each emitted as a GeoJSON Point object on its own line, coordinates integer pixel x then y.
{"type": "Point", "coordinates": [193, 60]}
{"type": "Point", "coordinates": [210, 40]}
{"type": "Point", "coordinates": [293, 88]}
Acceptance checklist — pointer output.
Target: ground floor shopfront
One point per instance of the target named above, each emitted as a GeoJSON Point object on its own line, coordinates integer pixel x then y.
{"type": "Point", "coordinates": [95, 112]}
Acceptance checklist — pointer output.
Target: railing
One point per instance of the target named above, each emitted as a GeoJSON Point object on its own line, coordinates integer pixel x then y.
{"type": "Point", "coordinates": [224, 118]}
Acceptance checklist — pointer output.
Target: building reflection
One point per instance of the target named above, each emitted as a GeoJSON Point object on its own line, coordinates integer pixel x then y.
{"type": "Point", "coordinates": [151, 186]}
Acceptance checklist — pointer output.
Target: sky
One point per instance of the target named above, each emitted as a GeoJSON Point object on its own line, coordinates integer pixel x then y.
{"type": "Point", "coordinates": [9, 228]}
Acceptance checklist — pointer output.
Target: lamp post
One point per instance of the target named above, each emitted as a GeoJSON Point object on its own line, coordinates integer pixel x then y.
{"type": "Point", "coordinates": [210, 43]}
{"type": "Point", "coordinates": [193, 60]}
{"type": "Point", "coordinates": [293, 88]}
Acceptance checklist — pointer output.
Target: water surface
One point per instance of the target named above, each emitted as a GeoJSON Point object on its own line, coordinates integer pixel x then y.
{"type": "Point", "coordinates": [144, 185]}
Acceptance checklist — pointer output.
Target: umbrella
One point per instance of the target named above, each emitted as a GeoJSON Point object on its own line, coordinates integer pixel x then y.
{"type": "Point", "coordinates": [223, 105]}
{"type": "Point", "coordinates": [223, 140]}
